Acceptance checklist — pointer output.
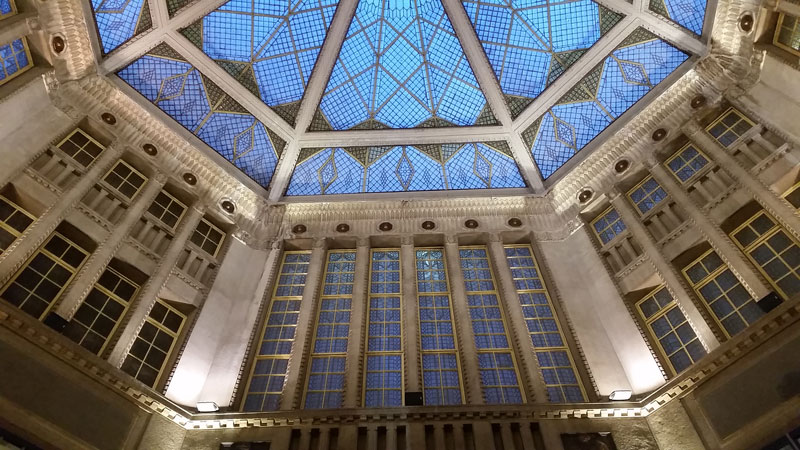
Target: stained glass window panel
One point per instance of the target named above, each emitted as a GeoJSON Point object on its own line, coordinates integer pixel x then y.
{"type": "Point", "coordinates": [401, 66]}
{"type": "Point", "coordinates": [689, 14]}
{"type": "Point", "coordinates": [384, 385]}
{"type": "Point", "coordinates": [787, 33]}
{"type": "Point", "coordinates": [647, 195]}
{"type": "Point", "coordinates": [266, 385]}
{"type": "Point", "coordinates": [729, 127]}
{"type": "Point", "coordinates": [632, 70]}
{"type": "Point", "coordinates": [325, 382]}
{"type": "Point", "coordinates": [608, 226]}
{"type": "Point", "coordinates": [15, 59]}
{"type": "Point", "coordinates": [404, 168]}
{"type": "Point", "coordinates": [203, 108]}
{"type": "Point", "coordinates": [118, 21]}
{"type": "Point", "coordinates": [7, 8]}
{"type": "Point", "coordinates": [499, 378]}
{"type": "Point", "coordinates": [686, 163]}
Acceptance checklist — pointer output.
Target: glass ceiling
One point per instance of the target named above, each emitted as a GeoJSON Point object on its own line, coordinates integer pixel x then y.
{"type": "Point", "coordinates": [400, 64]}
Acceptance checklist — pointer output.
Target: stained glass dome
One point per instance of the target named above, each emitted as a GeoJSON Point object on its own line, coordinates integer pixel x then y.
{"type": "Point", "coordinates": [312, 98]}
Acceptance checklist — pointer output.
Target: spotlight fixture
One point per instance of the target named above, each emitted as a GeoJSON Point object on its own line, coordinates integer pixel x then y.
{"type": "Point", "coordinates": [620, 395]}
{"type": "Point", "coordinates": [207, 407]}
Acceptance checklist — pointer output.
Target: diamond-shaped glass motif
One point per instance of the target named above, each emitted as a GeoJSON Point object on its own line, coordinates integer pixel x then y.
{"type": "Point", "coordinates": [327, 173]}
{"type": "Point", "coordinates": [565, 132]}
{"type": "Point", "coordinates": [171, 87]}
{"type": "Point", "coordinates": [483, 168]}
{"type": "Point", "coordinates": [633, 73]}
{"type": "Point", "coordinates": [405, 171]}
{"type": "Point", "coordinates": [243, 142]}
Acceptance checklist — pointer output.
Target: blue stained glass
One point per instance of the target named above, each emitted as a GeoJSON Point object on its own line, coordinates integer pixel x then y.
{"type": "Point", "coordinates": [118, 20]}
{"type": "Point", "coordinates": [266, 385]}
{"type": "Point", "coordinates": [325, 382]}
{"type": "Point", "coordinates": [690, 14]}
{"type": "Point", "coordinates": [626, 75]}
{"type": "Point", "coordinates": [529, 44]}
{"type": "Point", "coordinates": [648, 195]}
{"type": "Point", "coordinates": [401, 65]}
{"type": "Point", "coordinates": [499, 378]}
{"type": "Point", "coordinates": [686, 163]}
{"type": "Point", "coordinates": [5, 8]}
{"type": "Point", "coordinates": [179, 90]}
{"type": "Point", "coordinates": [440, 379]}
{"type": "Point", "coordinates": [384, 384]}
{"type": "Point", "coordinates": [14, 59]}
{"type": "Point", "coordinates": [278, 41]}
{"type": "Point", "coordinates": [404, 168]}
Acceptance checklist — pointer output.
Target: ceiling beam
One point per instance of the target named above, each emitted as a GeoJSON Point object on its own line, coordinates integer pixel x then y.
{"type": "Point", "coordinates": [408, 136]}
{"type": "Point", "coordinates": [314, 91]}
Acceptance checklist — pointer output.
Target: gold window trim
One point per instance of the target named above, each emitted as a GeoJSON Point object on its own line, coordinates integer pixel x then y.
{"type": "Point", "coordinates": [546, 292]}
{"type": "Point", "coordinates": [175, 335]}
{"type": "Point", "coordinates": [695, 175]}
{"type": "Point", "coordinates": [718, 120]}
{"type": "Point", "coordinates": [87, 136]}
{"type": "Point", "coordinates": [222, 239]}
{"type": "Point", "coordinates": [13, 10]}
{"type": "Point", "coordinates": [775, 40]}
{"type": "Point", "coordinates": [708, 278]}
{"type": "Point", "coordinates": [256, 357]}
{"type": "Point", "coordinates": [656, 206]}
{"type": "Point", "coordinates": [790, 191]}
{"type": "Point", "coordinates": [617, 236]}
{"type": "Point", "coordinates": [19, 208]}
{"type": "Point", "coordinates": [368, 353]}
{"type": "Point", "coordinates": [21, 70]}
{"type": "Point", "coordinates": [321, 297]}
{"type": "Point", "coordinates": [180, 217]}
{"type": "Point", "coordinates": [126, 304]}
{"type": "Point", "coordinates": [452, 323]}
{"type": "Point", "coordinates": [115, 190]}
{"type": "Point", "coordinates": [761, 239]}
{"type": "Point", "coordinates": [663, 312]}
{"type": "Point", "coordinates": [58, 261]}
{"type": "Point", "coordinates": [500, 305]}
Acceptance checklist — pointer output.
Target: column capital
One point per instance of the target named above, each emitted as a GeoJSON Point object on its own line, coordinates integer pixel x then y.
{"type": "Point", "coordinates": [319, 243]}
{"type": "Point", "coordinates": [160, 178]}
{"type": "Point", "coordinates": [407, 240]}
{"type": "Point", "coordinates": [650, 160]}
{"type": "Point", "coordinates": [363, 242]}
{"type": "Point", "coordinates": [450, 239]}
{"type": "Point", "coordinates": [691, 128]}
{"type": "Point", "coordinates": [495, 237]}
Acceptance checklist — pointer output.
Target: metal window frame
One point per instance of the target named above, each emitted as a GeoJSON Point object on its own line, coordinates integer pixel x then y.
{"type": "Point", "coordinates": [87, 136]}
{"type": "Point", "coordinates": [711, 276]}
{"type": "Point", "coordinates": [125, 304]}
{"type": "Point", "coordinates": [205, 238]}
{"type": "Point", "coordinates": [556, 318]}
{"type": "Point", "coordinates": [452, 324]}
{"type": "Point", "coordinates": [11, 230]}
{"type": "Point", "coordinates": [115, 189]}
{"type": "Point", "coordinates": [256, 357]}
{"type": "Point", "coordinates": [718, 120]}
{"type": "Point", "coordinates": [21, 70]}
{"type": "Point", "coordinates": [789, 192]}
{"type": "Point", "coordinates": [175, 337]}
{"type": "Point", "coordinates": [510, 349]}
{"type": "Point", "coordinates": [648, 195]}
{"type": "Point", "coordinates": [367, 353]}
{"type": "Point", "coordinates": [320, 299]}
{"type": "Point", "coordinates": [661, 313]}
{"type": "Point", "coordinates": [616, 235]}
{"type": "Point", "coordinates": [778, 28]}
{"type": "Point", "coordinates": [166, 208]}
{"type": "Point", "coordinates": [697, 174]}
{"type": "Point", "coordinates": [763, 238]}
{"type": "Point", "coordinates": [55, 259]}
{"type": "Point", "coordinates": [13, 10]}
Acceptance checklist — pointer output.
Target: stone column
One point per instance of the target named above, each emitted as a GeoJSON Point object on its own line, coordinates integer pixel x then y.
{"type": "Point", "coordinates": [149, 292]}
{"type": "Point", "coordinates": [411, 344]}
{"type": "Point", "coordinates": [471, 374]}
{"type": "Point", "coordinates": [710, 231]}
{"type": "Point", "coordinates": [355, 341]}
{"type": "Point", "coordinates": [295, 379]}
{"type": "Point", "coordinates": [777, 207]}
{"type": "Point", "coordinates": [98, 260]}
{"type": "Point", "coordinates": [665, 270]}
{"type": "Point", "coordinates": [517, 329]}
{"type": "Point", "coordinates": [21, 249]}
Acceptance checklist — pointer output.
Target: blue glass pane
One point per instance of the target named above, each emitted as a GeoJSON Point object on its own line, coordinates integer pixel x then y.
{"type": "Point", "coordinates": [530, 44]}
{"type": "Point", "coordinates": [401, 65]}
{"type": "Point", "coordinates": [13, 59]}
{"type": "Point", "coordinates": [403, 168]}
{"type": "Point", "coordinates": [182, 92]}
{"type": "Point", "coordinates": [325, 382]}
{"type": "Point", "coordinates": [690, 14]}
{"type": "Point", "coordinates": [270, 46]}
{"type": "Point", "coordinates": [384, 380]}
{"type": "Point", "coordinates": [5, 7]}
{"type": "Point", "coordinates": [626, 75]}
{"type": "Point", "coordinates": [119, 20]}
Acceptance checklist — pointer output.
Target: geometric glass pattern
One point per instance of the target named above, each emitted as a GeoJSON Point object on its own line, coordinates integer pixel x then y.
{"type": "Point", "coordinates": [36, 287]}
{"type": "Point", "coordinates": [440, 368]}
{"type": "Point", "coordinates": [119, 20]}
{"type": "Point", "coordinates": [404, 168]}
{"type": "Point", "coordinates": [270, 47]}
{"type": "Point", "coordinates": [555, 359]}
{"type": "Point", "coordinates": [608, 225]}
{"type": "Point", "coordinates": [100, 312]}
{"type": "Point", "coordinates": [689, 14]}
{"type": "Point", "coordinates": [498, 372]}
{"type": "Point", "coordinates": [401, 66]}
{"type": "Point", "coordinates": [329, 350]}
{"type": "Point", "coordinates": [729, 127]}
{"type": "Point", "coordinates": [186, 95]}
{"type": "Point", "coordinates": [15, 58]}
{"type": "Point", "coordinates": [646, 195]}
{"type": "Point", "coordinates": [632, 70]}
{"type": "Point", "coordinates": [686, 162]}
{"type": "Point", "coordinates": [151, 350]}
{"type": "Point", "coordinates": [787, 33]}
{"type": "Point", "coordinates": [269, 370]}
{"type": "Point", "coordinates": [772, 250]}
{"type": "Point", "coordinates": [384, 369]}
{"type": "Point", "coordinates": [724, 296]}
{"type": "Point", "coordinates": [530, 44]}
{"type": "Point", "coordinates": [675, 336]}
